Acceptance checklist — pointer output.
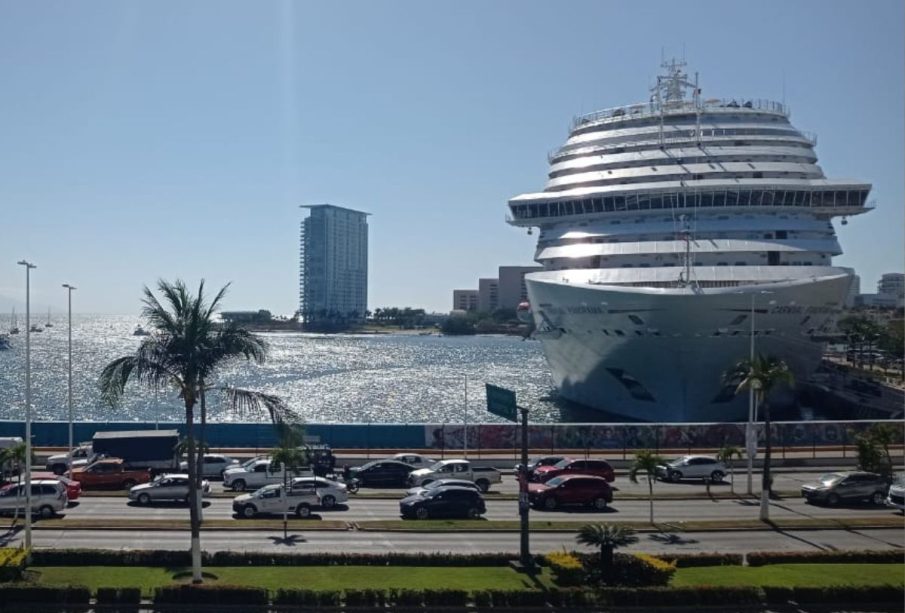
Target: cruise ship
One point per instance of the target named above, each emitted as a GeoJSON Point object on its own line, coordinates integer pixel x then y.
{"type": "Point", "coordinates": [676, 235]}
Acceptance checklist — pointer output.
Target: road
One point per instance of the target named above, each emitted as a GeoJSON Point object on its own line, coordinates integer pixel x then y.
{"type": "Point", "coordinates": [382, 542]}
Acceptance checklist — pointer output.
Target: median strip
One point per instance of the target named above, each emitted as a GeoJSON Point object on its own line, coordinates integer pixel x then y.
{"type": "Point", "coordinates": [178, 524]}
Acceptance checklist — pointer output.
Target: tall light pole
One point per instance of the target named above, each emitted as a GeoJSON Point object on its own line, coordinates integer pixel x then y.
{"type": "Point", "coordinates": [750, 432]}
{"type": "Point", "coordinates": [69, 463]}
{"type": "Point", "coordinates": [28, 266]}
{"type": "Point", "coordinates": [465, 437]}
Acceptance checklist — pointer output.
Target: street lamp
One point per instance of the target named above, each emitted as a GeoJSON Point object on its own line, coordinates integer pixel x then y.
{"type": "Point", "coordinates": [28, 266]}
{"type": "Point", "coordinates": [70, 288]}
{"type": "Point", "coordinates": [750, 433]}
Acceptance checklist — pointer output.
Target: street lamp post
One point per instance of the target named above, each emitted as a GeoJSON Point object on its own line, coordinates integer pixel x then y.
{"type": "Point", "coordinates": [465, 435]}
{"type": "Point", "coordinates": [69, 463]}
{"type": "Point", "coordinates": [750, 432]}
{"type": "Point", "coordinates": [28, 266]}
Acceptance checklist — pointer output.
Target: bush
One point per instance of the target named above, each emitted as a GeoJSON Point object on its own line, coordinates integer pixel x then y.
{"type": "Point", "coordinates": [103, 557]}
{"type": "Point", "coordinates": [763, 558]}
{"type": "Point", "coordinates": [684, 596]}
{"type": "Point", "coordinates": [296, 597]}
{"type": "Point", "coordinates": [445, 598]}
{"type": "Point", "coordinates": [631, 570]}
{"type": "Point", "coordinates": [12, 563]}
{"type": "Point", "coordinates": [210, 595]}
{"type": "Point", "coordinates": [407, 598]}
{"type": "Point", "coordinates": [836, 594]}
{"type": "Point", "coordinates": [118, 595]}
{"type": "Point", "coordinates": [72, 598]}
{"type": "Point", "coordinates": [567, 568]}
{"type": "Point", "coordinates": [365, 598]}
{"type": "Point", "coordinates": [239, 558]}
{"type": "Point", "coordinates": [688, 560]}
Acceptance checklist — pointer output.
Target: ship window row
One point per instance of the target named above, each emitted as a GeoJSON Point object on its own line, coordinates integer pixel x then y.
{"type": "Point", "coordinates": [641, 202]}
{"type": "Point", "coordinates": [712, 160]}
{"type": "Point", "coordinates": [673, 174]}
{"type": "Point", "coordinates": [736, 235]}
{"type": "Point", "coordinates": [688, 134]}
{"type": "Point", "coordinates": [561, 155]}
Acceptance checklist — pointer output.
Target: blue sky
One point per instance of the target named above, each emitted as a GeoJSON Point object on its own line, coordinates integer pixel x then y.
{"type": "Point", "coordinates": [141, 140]}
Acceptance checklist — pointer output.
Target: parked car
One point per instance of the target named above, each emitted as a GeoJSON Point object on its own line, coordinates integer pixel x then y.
{"type": "Point", "coordinates": [110, 473]}
{"type": "Point", "coordinates": [381, 473]}
{"type": "Point", "coordinates": [568, 490]}
{"type": "Point", "coordinates": [896, 496]}
{"type": "Point", "coordinates": [166, 487]}
{"type": "Point", "coordinates": [444, 502]}
{"type": "Point", "coordinates": [80, 456]}
{"type": "Point", "coordinates": [833, 488]}
{"type": "Point", "coordinates": [420, 491]}
{"type": "Point", "coordinates": [73, 487]}
{"type": "Point", "coordinates": [414, 459]}
{"type": "Point", "coordinates": [568, 466]}
{"type": "Point", "coordinates": [270, 500]}
{"type": "Point", "coordinates": [253, 475]}
{"type": "Point", "coordinates": [48, 497]}
{"type": "Point", "coordinates": [213, 465]}
{"type": "Point", "coordinates": [330, 492]}
{"type": "Point", "coordinates": [692, 467]}
{"type": "Point", "coordinates": [535, 463]}
{"type": "Point", "coordinates": [456, 469]}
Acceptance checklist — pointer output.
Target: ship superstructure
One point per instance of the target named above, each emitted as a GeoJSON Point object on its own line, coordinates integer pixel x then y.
{"type": "Point", "coordinates": [665, 228]}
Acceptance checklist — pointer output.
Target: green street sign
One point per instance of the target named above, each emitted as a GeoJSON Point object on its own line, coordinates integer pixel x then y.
{"type": "Point", "coordinates": [501, 402]}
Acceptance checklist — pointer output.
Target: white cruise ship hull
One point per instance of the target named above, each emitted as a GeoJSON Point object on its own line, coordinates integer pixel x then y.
{"type": "Point", "coordinates": [661, 354]}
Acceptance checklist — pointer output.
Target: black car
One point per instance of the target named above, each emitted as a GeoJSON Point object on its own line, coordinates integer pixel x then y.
{"type": "Point", "coordinates": [382, 473]}
{"type": "Point", "coordinates": [547, 460]}
{"type": "Point", "coordinates": [443, 502]}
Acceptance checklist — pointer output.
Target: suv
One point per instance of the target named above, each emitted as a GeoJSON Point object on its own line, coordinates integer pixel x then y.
{"type": "Point", "coordinates": [568, 466]}
{"type": "Point", "coordinates": [571, 489]}
{"type": "Point", "coordinates": [896, 496]}
{"type": "Point", "coordinates": [833, 488]}
{"type": "Point", "coordinates": [443, 502]}
{"type": "Point", "coordinates": [692, 467]}
{"type": "Point", "coordinates": [48, 497]}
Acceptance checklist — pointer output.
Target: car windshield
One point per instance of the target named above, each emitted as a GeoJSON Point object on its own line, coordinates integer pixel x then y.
{"type": "Point", "coordinates": [899, 480]}
{"type": "Point", "coordinates": [563, 463]}
{"type": "Point", "coordinates": [830, 478]}
{"type": "Point", "coordinates": [367, 466]}
{"type": "Point", "coordinates": [267, 488]}
{"type": "Point", "coordinates": [555, 481]}
{"type": "Point", "coordinates": [249, 463]}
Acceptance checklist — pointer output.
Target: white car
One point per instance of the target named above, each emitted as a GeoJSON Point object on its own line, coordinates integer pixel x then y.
{"type": "Point", "coordinates": [692, 467]}
{"type": "Point", "coordinates": [166, 487]}
{"type": "Point", "coordinates": [270, 500]}
{"type": "Point", "coordinates": [896, 496]}
{"type": "Point", "coordinates": [213, 465]}
{"type": "Point", "coordinates": [331, 493]}
{"type": "Point", "coordinates": [413, 459]}
{"type": "Point", "coordinates": [48, 497]}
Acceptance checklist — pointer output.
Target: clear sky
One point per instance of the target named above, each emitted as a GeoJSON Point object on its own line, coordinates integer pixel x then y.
{"type": "Point", "coordinates": [141, 140]}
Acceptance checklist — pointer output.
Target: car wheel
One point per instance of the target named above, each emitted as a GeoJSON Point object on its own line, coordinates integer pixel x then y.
{"type": "Point", "coordinates": [600, 503]}
{"type": "Point", "coordinates": [473, 513]}
{"type": "Point", "coordinates": [144, 499]}
{"type": "Point", "coordinates": [249, 511]}
{"type": "Point", "coordinates": [832, 499]}
{"type": "Point", "coordinates": [128, 484]}
{"type": "Point", "coordinates": [238, 485]}
{"type": "Point", "coordinates": [46, 512]}
{"type": "Point", "coordinates": [303, 511]}
{"type": "Point", "coordinates": [422, 513]}
{"type": "Point", "coordinates": [717, 475]}
{"type": "Point", "coordinates": [550, 503]}
{"type": "Point", "coordinates": [328, 502]}
{"type": "Point", "coordinates": [483, 485]}
{"type": "Point", "coordinates": [878, 499]}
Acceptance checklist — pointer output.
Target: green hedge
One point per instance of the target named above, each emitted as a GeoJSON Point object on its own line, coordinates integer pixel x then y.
{"type": "Point", "coordinates": [69, 598]}
{"type": "Point", "coordinates": [309, 598]}
{"type": "Point", "coordinates": [210, 595]}
{"type": "Point", "coordinates": [688, 560]}
{"type": "Point", "coordinates": [118, 595]}
{"type": "Point", "coordinates": [763, 558]}
{"type": "Point", "coordinates": [684, 596]}
{"type": "Point", "coordinates": [109, 557]}
{"type": "Point", "coordinates": [836, 595]}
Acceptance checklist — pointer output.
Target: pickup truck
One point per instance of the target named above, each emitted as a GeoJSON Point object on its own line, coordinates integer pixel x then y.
{"type": "Point", "coordinates": [80, 456]}
{"type": "Point", "coordinates": [455, 469]}
{"type": "Point", "coordinates": [270, 500]}
{"type": "Point", "coordinates": [110, 473]}
{"type": "Point", "coordinates": [257, 474]}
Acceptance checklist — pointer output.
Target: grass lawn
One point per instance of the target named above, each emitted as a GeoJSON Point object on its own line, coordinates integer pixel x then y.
{"type": "Point", "coordinates": [789, 575]}
{"type": "Point", "coordinates": [308, 577]}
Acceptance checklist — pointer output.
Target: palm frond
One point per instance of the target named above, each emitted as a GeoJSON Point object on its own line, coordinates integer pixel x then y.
{"type": "Point", "coordinates": [243, 401]}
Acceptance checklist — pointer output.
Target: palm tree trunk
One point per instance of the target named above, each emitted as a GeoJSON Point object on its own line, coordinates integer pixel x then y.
{"type": "Point", "coordinates": [194, 520]}
{"type": "Point", "coordinates": [768, 448]}
{"type": "Point", "coordinates": [650, 497]}
{"type": "Point", "coordinates": [606, 559]}
{"type": "Point", "coordinates": [199, 457]}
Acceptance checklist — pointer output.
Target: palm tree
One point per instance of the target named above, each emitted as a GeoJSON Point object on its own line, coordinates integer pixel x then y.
{"type": "Point", "coordinates": [13, 458]}
{"type": "Point", "coordinates": [725, 455]}
{"type": "Point", "coordinates": [608, 537]}
{"type": "Point", "coordinates": [646, 461]}
{"type": "Point", "coordinates": [184, 352]}
{"type": "Point", "coordinates": [762, 374]}
{"type": "Point", "coordinates": [291, 457]}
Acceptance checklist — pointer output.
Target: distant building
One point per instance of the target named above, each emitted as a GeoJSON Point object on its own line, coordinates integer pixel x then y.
{"type": "Point", "coordinates": [488, 295]}
{"type": "Point", "coordinates": [333, 264]}
{"type": "Point", "coordinates": [854, 290]}
{"type": "Point", "coordinates": [465, 300]}
{"type": "Point", "coordinates": [244, 317]}
{"type": "Point", "coordinates": [891, 288]}
{"type": "Point", "coordinates": [512, 289]}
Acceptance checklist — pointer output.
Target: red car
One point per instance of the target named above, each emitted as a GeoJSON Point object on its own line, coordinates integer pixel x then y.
{"type": "Point", "coordinates": [569, 490]}
{"type": "Point", "coordinates": [73, 488]}
{"type": "Point", "coordinates": [568, 466]}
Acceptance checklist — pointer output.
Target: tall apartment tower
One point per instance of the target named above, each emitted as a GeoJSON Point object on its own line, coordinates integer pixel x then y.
{"type": "Point", "coordinates": [333, 264]}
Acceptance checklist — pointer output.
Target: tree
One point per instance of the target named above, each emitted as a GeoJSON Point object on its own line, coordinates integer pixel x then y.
{"type": "Point", "coordinates": [291, 457]}
{"type": "Point", "coordinates": [608, 537]}
{"type": "Point", "coordinates": [725, 455]}
{"type": "Point", "coordinates": [763, 374]}
{"type": "Point", "coordinates": [873, 449]}
{"type": "Point", "coordinates": [646, 462]}
{"type": "Point", "coordinates": [13, 458]}
{"type": "Point", "coordinates": [184, 352]}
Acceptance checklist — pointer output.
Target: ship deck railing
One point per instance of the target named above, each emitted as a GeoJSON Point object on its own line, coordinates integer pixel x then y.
{"type": "Point", "coordinates": [643, 109]}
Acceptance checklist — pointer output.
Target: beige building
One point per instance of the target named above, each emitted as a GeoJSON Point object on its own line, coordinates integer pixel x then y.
{"type": "Point", "coordinates": [465, 300]}
{"type": "Point", "coordinates": [488, 295]}
{"type": "Point", "coordinates": [512, 290]}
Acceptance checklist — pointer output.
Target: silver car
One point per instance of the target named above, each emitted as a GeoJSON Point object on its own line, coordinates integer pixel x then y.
{"type": "Point", "coordinates": [166, 487]}
{"type": "Point", "coordinates": [213, 465]}
{"type": "Point", "coordinates": [692, 467]}
{"type": "Point", "coordinates": [833, 488]}
{"type": "Point", "coordinates": [48, 497]}
{"type": "Point", "coordinates": [330, 492]}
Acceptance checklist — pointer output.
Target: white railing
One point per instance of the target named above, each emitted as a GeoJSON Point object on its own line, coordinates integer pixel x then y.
{"type": "Point", "coordinates": [653, 108]}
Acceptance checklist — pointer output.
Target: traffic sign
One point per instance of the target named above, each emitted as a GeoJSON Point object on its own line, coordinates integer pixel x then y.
{"type": "Point", "coordinates": [501, 402]}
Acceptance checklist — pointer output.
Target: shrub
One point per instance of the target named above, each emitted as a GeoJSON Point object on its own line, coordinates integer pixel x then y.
{"type": "Point", "coordinates": [763, 558]}
{"type": "Point", "coordinates": [73, 597]}
{"type": "Point", "coordinates": [240, 558]}
{"type": "Point", "coordinates": [407, 598]}
{"type": "Point", "coordinates": [118, 595]}
{"type": "Point", "coordinates": [365, 598]}
{"type": "Point", "coordinates": [102, 557]}
{"type": "Point", "coordinates": [687, 560]}
{"type": "Point", "coordinates": [210, 595]}
{"type": "Point", "coordinates": [12, 563]}
{"type": "Point", "coordinates": [632, 570]}
{"type": "Point", "coordinates": [567, 568]}
{"type": "Point", "coordinates": [483, 599]}
{"type": "Point", "coordinates": [445, 598]}
{"type": "Point", "coordinates": [684, 596]}
{"type": "Point", "coordinates": [295, 597]}
{"type": "Point", "coordinates": [839, 594]}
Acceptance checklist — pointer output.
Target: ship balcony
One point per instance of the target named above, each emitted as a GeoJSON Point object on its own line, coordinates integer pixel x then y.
{"type": "Point", "coordinates": [642, 110]}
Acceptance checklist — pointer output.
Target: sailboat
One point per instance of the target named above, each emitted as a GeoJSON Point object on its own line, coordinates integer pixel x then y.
{"type": "Point", "coordinates": [48, 324]}
{"type": "Point", "coordinates": [15, 323]}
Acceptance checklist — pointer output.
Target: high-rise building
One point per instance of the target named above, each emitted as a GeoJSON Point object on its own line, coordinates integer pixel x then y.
{"type": "Point", "coordinates": [512, 285]}
{"type": "Point", "coordinates": [333, 264]}
{"type": "Point", "coordinates": [488, 295]}
{"type": "Point", "coordinates": [891, 288]}
{"type": "Point", "coordinates": [465, 299]}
